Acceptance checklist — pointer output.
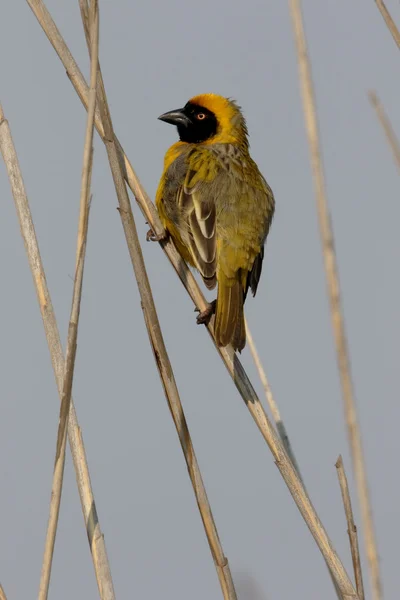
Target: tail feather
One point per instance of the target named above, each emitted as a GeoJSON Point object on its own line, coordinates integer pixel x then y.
{"type": "Point", "coordinates": [239, 337]}
{"type": "Point", "coordinates": [229, 317]}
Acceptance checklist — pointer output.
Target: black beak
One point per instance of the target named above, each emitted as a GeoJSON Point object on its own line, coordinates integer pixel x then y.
{"type": "Point", "coordinates": [176, 117]}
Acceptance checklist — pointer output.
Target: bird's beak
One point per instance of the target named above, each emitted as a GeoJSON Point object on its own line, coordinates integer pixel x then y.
{"type": "Point", "coordinates": [176, 117]}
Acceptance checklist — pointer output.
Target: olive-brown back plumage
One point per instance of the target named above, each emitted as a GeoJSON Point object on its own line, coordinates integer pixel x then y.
{"type": "Point", "coordinates": [217, 206]}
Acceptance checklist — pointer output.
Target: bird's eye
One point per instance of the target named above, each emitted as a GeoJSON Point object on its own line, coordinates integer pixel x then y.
{"type": "Point", "coordinates": [201, 116]}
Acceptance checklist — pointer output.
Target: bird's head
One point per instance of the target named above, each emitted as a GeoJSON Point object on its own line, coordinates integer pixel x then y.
{"type": "Point", "coordinates": [209, 118]}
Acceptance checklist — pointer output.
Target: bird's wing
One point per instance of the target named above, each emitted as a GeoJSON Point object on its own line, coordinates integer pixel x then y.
{"type": "Point", "coordinates": [198, 205]}
{"type": "Point", "coordinates": [253, 276]}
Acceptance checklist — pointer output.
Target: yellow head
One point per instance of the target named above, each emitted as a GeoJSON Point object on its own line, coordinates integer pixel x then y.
{"type": "Point", "coordinates": [209, 119]}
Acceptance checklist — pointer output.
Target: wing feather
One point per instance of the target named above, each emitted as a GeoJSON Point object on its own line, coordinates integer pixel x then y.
{"type": "Point", "coordinates": [201, 219]}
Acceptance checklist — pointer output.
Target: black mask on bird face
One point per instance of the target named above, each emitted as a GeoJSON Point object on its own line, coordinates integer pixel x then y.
{"type": "Point", "coordinates": [195, 124]}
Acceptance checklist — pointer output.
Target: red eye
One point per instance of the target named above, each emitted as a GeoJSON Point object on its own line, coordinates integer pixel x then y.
{"type": "Point", "coordinates": [200, 116]}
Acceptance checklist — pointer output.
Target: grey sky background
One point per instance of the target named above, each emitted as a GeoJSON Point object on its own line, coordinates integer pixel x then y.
{"type": "Point", "coordinates": [155, 56]}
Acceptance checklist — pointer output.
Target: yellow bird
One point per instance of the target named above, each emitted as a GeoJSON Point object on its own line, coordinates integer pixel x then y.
{"type": "Point", "coordinates": [216, 205]}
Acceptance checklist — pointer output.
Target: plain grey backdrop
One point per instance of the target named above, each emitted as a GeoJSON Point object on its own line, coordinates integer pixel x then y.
{"type": "Point", "coordinates": [155, 56]}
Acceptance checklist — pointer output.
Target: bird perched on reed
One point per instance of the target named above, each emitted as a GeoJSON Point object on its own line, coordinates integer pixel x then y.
{"type": "Point", "coordinates": [216, 205]}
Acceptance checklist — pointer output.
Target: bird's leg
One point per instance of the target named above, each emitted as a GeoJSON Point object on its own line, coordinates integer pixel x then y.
{"type": "Point", "coordinates": [155, 237]}
{"type": "Point", "coordinates": [203, 318]}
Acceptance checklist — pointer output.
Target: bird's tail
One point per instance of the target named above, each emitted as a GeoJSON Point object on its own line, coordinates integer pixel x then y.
{"type": "Point", "coordinates": [229, 317]}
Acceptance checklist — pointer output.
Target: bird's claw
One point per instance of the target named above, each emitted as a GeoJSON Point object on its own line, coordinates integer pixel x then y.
{"type": "Point", "coordinates": [203, 318]}
{"type": "Point", "coordinates": [155, 237]}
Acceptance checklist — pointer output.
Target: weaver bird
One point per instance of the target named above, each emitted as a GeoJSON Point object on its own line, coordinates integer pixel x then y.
{"type": "Point", "coordinates": [216, 205]}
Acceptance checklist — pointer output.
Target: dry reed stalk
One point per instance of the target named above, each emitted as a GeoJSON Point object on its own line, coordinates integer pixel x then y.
{"type": "Point", "coordinates": [386, 125]}
{"type": "Point", "coordinates": [95, 536]}
{"type": "Point", "coordinates": [332, 277]}
{"type": "Point", "coordinates": [351, 527]}
{"type": "Point", "coordinates": [391, 25]}
{"type": "Point", "coordinates": [155, 334]}
{"type": "Point", "coordinates": [276, 415]}
{"type": "Point", "coordinates": [229, 358]}
{"type": "Point", "coordinates": [2, 593]}
{"type": "Point", "coordinates": [280, 426]}
{"type": "Point", "coordinates": [58, 474]}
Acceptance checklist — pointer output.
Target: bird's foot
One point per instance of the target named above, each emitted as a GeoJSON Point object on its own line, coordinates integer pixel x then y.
{"type": "Point", "coordinates": [203, 318]}
{"type": "Point", "coordinates": [155, 237]}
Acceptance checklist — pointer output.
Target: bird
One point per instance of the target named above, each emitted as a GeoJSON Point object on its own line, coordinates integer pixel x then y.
{"type": "Point", "coordinates": [217, 207]}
